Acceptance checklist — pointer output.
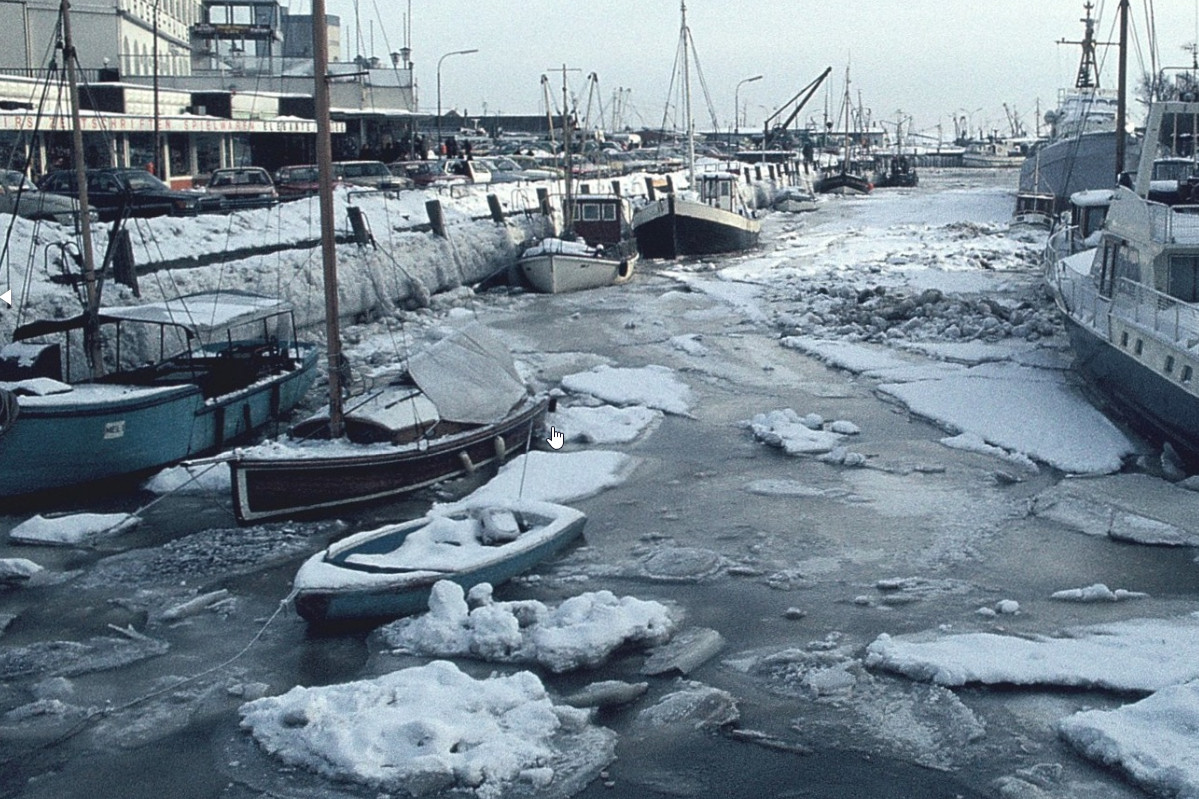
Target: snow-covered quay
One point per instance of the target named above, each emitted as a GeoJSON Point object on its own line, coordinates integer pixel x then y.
{"type": "Point", "coordinates": [852, 523]}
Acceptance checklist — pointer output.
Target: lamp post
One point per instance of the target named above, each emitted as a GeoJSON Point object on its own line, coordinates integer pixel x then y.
{"type": "Point", "coordinates": [737, 103]}
{"type": "Point", "coordinates": [443, 58]}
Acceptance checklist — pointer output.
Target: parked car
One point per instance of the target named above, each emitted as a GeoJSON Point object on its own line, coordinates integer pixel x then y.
{"type": "Point", "coordinates": [134, 192]}
{"type": "Point", "coordinates": [242, 187]}
{"type": "Point", "coordinates": [19, 196]}
{"type": "Point", "coordinates": [507, 170]}
{"type": "Point", "coordinates": [370, 174]}
{"type": "Point", "coordinates": [445, 172]}
{"type": "Point", "coordinates": [296, 181]}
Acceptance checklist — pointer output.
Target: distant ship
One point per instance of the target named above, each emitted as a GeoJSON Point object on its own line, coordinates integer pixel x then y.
{"type": "Point", "coordinates": [1080, 153]}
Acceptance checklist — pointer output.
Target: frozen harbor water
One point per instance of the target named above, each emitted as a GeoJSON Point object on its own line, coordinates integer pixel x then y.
{"type": "Point", "coordinates": [905, 327]}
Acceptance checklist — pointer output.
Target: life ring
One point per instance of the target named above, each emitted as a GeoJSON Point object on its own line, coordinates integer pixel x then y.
{"type": "Point", "coordinates": [10, 409]}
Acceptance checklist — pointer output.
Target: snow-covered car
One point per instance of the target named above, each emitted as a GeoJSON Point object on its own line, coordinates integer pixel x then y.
{"type": "Point", "coordinates": [19, 196]}
{"type": "Point", "coordinates": [508, 170]}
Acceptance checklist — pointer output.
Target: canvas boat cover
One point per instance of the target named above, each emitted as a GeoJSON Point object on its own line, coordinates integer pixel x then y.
{"type": "Point", "coordinates": [469, 375]}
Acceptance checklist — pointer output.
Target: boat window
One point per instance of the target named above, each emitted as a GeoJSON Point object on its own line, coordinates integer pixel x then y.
{"type": "Point", "coordinates": [1169, 364]}
{"type": "Point", "coordinates": [1184, 278]}
{"type": "Point", "coordinates": [609, 213]}
{"type": "Point", "coordinates": [1186, 373]}
{"type": "Point", "coordinates": [591, 212]}
{"type": "Point", "coordinates": [1140, 345]}
{"type": "Point", "coordinates": [1124, 339]}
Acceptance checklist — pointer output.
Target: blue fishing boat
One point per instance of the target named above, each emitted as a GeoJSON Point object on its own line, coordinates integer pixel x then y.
{"type": "Point", "coordinates": [390, 572]}
{"type": "Point", "coordinates": [222, 365]}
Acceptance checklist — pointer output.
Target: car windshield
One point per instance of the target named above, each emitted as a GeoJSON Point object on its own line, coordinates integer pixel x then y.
{"type": "Point", "coordinates": [143, 181]}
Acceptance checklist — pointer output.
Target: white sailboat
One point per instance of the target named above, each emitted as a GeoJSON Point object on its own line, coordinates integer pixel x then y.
{"type": "Point", "coordinates": [596, 247]}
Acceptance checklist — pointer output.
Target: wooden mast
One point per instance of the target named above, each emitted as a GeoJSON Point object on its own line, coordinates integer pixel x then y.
{"type": "Point", "coordinates": [568, 210]}
{"type": "Point", "coordinates": [91, 330]}
{"type": "Point", "coordinates": [686, 34]}
{"type": "Point", "coordinates": [324, 160]}
{"type": "Point", "coordinates": [1122, 90]}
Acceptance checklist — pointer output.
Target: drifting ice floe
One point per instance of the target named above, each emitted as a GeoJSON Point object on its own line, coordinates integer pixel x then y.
{"type": "Point", "coordinates": [581, 632]}
{"type": "Point", "coordinates": [485, 737]}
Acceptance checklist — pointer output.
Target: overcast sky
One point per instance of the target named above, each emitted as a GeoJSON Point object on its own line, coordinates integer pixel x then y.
{"type": "Point", "coordinates": [932, 59]}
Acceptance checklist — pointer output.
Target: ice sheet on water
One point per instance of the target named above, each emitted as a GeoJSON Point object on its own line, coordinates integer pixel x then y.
{"type": "Point", "coordinates": [77, 529]}
{"type": "Point", "coordinates": [1131, 655]}
{"type": "Point", "coordinates": [500, 736]}
{"type": "Point", "coordinates": [558, 476]}
{"type": "Point", "coordinates": [70, 658]}
{"type": "Point", "coordinates": [653, 386]}
{"type": "Point", "coordinates": [604, 424]}
{"type": "Point", "coordinates": [1152, 741]}
{"type": "Point", "coordinates": [1047, 420]}
{"type": "Point", "coordinates": [207, 478]}
{"type": "Point", "coordinates": [581, 632]}
{"type": "Point", "coordinates": [1128, 507]}
{"type": "Point", "coordinates": [205, 555]}
{"type": "Point", "coordinates": [848, 706]}
{"type": "Point", "coordinates": [1097, 592]}
{"type": "Point", "coordinates": [14, 571]}
{"type": "Point", "coordinates": [690, 706]}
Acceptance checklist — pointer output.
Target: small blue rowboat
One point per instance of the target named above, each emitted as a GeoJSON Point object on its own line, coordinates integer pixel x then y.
{"type": "Point", "coordinates": [389, 572]}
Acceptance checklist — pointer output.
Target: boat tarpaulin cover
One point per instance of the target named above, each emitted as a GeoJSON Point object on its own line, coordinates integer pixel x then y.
{"type": "Point", "coordinates": [469, 375]}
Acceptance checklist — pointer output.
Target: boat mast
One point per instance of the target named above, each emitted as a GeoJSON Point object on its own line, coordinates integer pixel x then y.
{"type": "Point", "coordinates": [568, 220]}
{"type": "Point", "coordinates": [1122, 89]}
{"type": "Point", "coordinates": [686, 35]}
{"type": "Point", "coordinates": [91, 330]}
{"type": "Point", "coordinates": [847, 101]}
{"type": "Point", "coordinates": [324, 161]}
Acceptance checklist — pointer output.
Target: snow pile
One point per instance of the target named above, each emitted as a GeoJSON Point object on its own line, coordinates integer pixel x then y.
{"type": "Point", "coordinates": [75, 530]}
{"type": "Point", "coordinates": [581, 632]}
{"type": "Point", "coordinates": [557, 476]}
{"type": "Point", "coordinates": [188, 478]}
{"type": "Point", "coordinates": [652, 386]}
{"type": "Point", "coordinates": [427, 729]}
{"type": "Point", "coordinates": [794, 434]}
{"type": "Point", "coordinates": [1153, 741]}
{"type": "Point", "coordinates": [1096, 593]}
{"type": "Point", "coordinates": [1132, 655]}
{"type": "Point", "coordinates": [603, 425]}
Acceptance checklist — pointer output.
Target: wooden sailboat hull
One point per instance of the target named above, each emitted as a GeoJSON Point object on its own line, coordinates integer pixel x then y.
{"type": "Point", "coordinates": [671, 227]}
{"type": "Point", "coordinates": [103, 431]}
{"type": "Point", "coordinates": [330, 589]}
{"type": "Point", "coordinates": [265, 488]}
{"type": "Point", "coordinates": [557, 273]}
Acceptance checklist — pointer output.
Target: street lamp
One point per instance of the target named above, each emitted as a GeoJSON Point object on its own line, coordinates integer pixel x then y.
{"type": "Point", "coordinates": [443, 58]}
{"type": "Point", "coordinates": [737, 102]}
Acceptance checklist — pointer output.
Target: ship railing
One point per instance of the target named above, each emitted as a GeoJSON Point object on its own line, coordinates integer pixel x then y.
{"type": "Point", "coordinates": [1154, 310]}
{"type": "Point", "coordinates": [1177, 224]}
{"type": "Point", "coordinates": [1080, 298]}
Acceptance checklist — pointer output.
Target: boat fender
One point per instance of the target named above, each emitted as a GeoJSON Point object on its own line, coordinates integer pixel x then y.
{"type": "Point", "coordinates": [9, 410]}
{"type": "Point", "coordinates": [467, 463]}
{"type": "Point", "coordinates": [501, 449]}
